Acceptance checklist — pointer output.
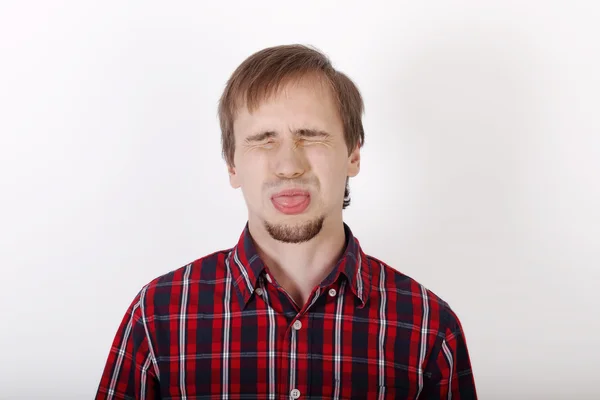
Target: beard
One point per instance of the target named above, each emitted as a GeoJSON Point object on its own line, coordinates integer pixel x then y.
{"type": "Point", "coordinates": [297, 233]}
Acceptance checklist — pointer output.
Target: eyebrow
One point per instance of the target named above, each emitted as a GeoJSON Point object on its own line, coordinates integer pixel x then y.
{"type": "Point", "coordinates": [259, 137]}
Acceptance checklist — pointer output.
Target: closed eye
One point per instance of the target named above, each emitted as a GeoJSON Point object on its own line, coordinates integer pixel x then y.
{"type": "Point", "coordinates": [312, 134]}
{"type": "Point", "coordinates": [268, 144]}
{"type": "Point", "coordinates": [261, 137]}
{"type": "Point", "coordinates": [311, 140]}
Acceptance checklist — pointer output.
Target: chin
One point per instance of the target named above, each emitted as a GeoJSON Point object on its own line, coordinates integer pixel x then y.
{"type": "Point", "coordinates": [295, 228]}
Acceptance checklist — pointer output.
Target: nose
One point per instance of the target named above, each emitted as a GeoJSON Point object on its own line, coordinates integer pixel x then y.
{"type": "Point", "coordinates": [289, 161]}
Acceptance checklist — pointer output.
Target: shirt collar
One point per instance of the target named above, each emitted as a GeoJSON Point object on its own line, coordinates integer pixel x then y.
{"type": "Point", "coordinates": [246, 267]}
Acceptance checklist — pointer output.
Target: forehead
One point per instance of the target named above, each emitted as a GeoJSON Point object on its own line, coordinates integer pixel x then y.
{"type": "Point", "coordinates": [304, 103]}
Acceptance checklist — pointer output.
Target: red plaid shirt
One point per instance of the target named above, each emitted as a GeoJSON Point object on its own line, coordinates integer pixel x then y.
{"type": "Point", "coordinates": [221, 327]}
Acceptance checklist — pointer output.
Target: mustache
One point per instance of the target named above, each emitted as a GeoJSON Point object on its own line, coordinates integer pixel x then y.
{"type": "Point", "coordinates": [299, 183]}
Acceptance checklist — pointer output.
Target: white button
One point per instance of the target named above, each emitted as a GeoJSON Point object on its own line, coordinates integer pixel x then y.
{"type": "Point", "coordinates": [259, 291]}
{"type": "Point", "coordinates": [297, 326]}
{"type": "Point", "coordinates": [332, 292]}
{"type": "Point", "coordinates": [269, 278]}
{"type": "Point", "coordinates": [295, 393]}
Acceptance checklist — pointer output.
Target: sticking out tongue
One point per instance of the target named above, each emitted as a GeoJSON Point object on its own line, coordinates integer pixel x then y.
{"type": "Point", "coordinates": [290, 201]}
{"type": "Point", "coordinates": [291, 205]}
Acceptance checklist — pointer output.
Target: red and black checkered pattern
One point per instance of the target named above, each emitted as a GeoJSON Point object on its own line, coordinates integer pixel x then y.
{"type": "Point", "coordinates": [221, 327]}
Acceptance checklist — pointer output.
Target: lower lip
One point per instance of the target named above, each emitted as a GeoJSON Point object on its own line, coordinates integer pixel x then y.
{"type": "Point", "coordinates": [296, 209]}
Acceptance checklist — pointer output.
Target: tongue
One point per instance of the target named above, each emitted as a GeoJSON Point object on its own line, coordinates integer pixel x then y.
{"type": "Point", "coordinates": [289, 201]}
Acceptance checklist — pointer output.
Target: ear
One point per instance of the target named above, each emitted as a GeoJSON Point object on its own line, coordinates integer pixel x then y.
{"type": "Point", "coordinates": [354, 162]}
{"type": "Point", "coordinates": [234, 179]}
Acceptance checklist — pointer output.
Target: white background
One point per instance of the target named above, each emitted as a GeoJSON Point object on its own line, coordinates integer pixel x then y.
{"type": "Point", "coordinates": [480, 174]}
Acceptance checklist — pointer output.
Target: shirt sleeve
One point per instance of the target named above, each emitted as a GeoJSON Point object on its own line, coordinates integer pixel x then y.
{"type": "Point", "coordinates": [130, 370]}
{"type": "Point", "coordinates": [451, 376]}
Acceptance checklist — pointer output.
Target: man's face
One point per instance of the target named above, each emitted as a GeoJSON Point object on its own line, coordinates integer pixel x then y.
{"type": "Point", "coordinates": [291, 161]}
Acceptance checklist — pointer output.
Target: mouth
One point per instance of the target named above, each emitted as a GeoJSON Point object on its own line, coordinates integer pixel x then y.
{"type": "Point", "coordinates": [291, 201]}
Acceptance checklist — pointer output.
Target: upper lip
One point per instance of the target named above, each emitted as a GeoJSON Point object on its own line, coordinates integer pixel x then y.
{"type": "Point", "coordinates": [292, 192]}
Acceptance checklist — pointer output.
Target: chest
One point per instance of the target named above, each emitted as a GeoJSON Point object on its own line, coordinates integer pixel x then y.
{"type": "Point", "coordinates": [324, 352]}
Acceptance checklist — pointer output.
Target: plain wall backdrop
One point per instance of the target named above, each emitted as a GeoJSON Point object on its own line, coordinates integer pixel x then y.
{"type": "Point", "coordinates": [480, 173]}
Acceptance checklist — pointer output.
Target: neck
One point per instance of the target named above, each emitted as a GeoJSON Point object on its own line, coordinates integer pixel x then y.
{"type": "Point", "coordinates": [298, 268]}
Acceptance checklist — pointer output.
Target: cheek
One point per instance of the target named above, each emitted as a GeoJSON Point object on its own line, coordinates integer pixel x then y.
{"type": "Point", "coordinates": [254, 174]}
{"type": "Point", "coordinates": [326, 159]}
{"type": "Point", "coordinates": [252, 162]}
{"type": "Point", "coordinates": [331, 171]}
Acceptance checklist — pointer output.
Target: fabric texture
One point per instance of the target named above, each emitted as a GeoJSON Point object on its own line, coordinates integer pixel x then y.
{"type": "Point", "coordinates": [221, 327]}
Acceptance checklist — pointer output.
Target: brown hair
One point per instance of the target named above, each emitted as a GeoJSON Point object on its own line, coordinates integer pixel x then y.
{"type": "Point", "coordinates": [266, 71]}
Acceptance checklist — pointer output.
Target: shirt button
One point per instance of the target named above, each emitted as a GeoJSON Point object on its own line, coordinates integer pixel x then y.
{"type": "Point", "coordinates": [295, 393]}
{"type": "Point", "coordinates": [332, 292]}
{"type": "Point", "coordinates": [297, 326]}
{"type": "Point", "coordinates": [269, 278]}
{"type": "Point", "coordinates": [259, 291]}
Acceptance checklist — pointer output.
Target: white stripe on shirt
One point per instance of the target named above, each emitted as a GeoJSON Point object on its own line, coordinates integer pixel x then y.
{"type": "Point", "coordinates": [382, 333]}
{"type": "Point", "coordinates": [272, 342]}
{"type": "Point", "coordinates": [145, 323]}
{"type": "Point", "coordinates": [182, 329]}
{"type": "Point", "coordinates": [337, 350]}
{"type": "Point", "coordinates": [450, 360]}
{"type": "Point", "coordinates": [423, 347]}
{"type": "Point", "coordinates": [226, 330]}
{"type": "Point", "coordinates": [144, 377]}
{"type": "Point", "coordinates": [121, 353]}
{"type": "Point", "coordinates": [244, 272]}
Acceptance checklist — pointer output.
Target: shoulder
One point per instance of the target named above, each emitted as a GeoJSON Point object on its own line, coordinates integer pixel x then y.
{"type": "Point", "coordinates": [410, 297]}
{"type": "Point", "coordinates": [198, 276]}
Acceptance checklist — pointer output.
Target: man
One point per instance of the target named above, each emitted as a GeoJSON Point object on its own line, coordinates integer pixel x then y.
{"type": "Point", "coordinates": [296, 309]}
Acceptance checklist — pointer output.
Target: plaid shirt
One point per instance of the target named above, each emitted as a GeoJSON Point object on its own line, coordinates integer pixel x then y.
{"type": "Point", "coordinates": [221, 327]}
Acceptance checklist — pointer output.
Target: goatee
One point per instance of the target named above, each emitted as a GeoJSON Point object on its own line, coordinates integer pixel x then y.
{"type": "Point", "coordinates": [298, 233]}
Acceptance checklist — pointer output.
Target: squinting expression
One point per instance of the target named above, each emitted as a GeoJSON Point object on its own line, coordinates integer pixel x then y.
{"type": "Point", "coordinates": [291, 161]}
